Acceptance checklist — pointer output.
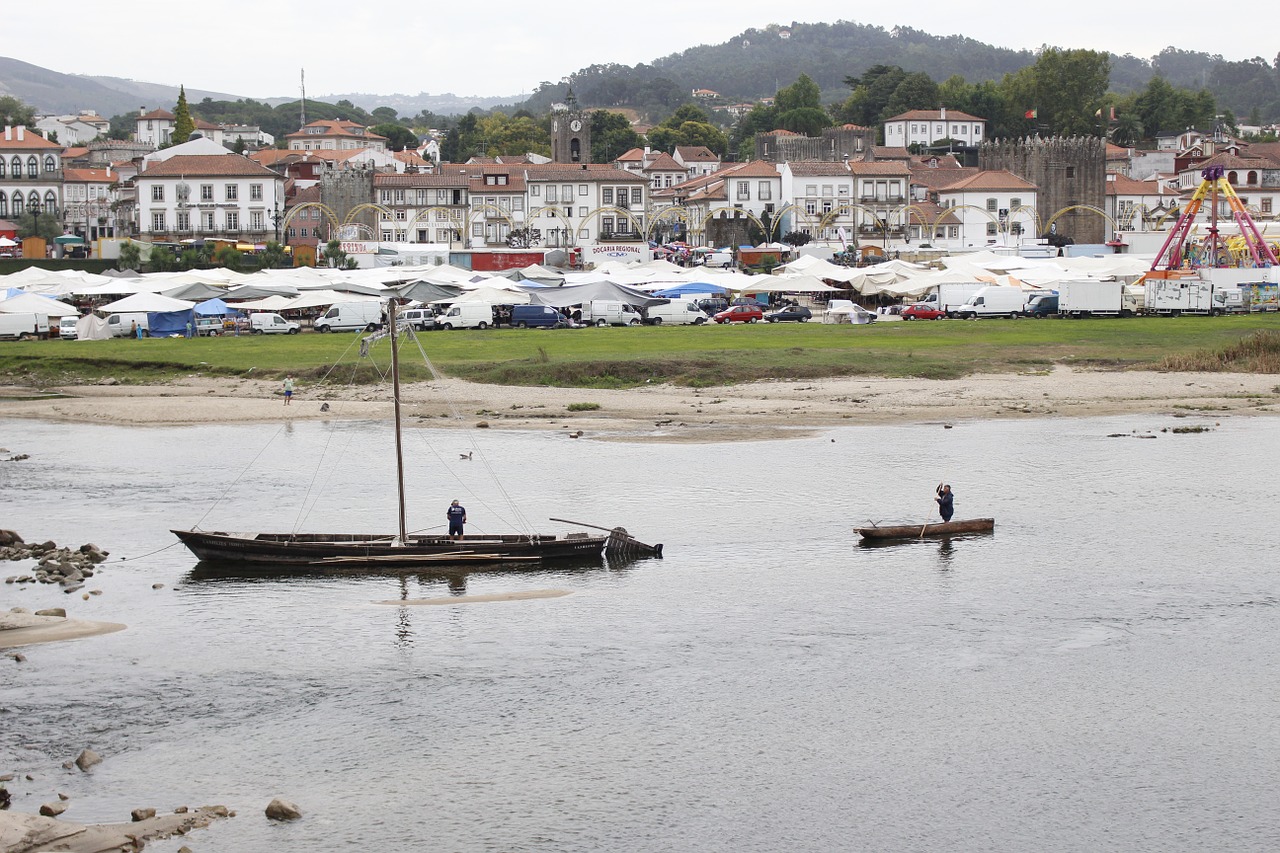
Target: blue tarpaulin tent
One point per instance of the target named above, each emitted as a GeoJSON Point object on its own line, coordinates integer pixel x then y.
{"type": "Point", "coordinates": [161, 324]}
{"type": "Point", "coordinates": [690, 288]}
{"type": "Point", "coordinates": [214, 308]}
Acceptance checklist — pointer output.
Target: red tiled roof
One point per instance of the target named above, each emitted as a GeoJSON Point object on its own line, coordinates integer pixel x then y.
{"type": "Point", "coordinates": [635, 154]}
{"type": "Point", "coordinates": [584, 172]}
{"type": "Point", "coordinates": [940, 177]}
{"type": "Point", "coordinates": [934, 115]}
{"type": "Point", "coordinates": [89, 176]}
{"type": "Point", "coordinates": [1118, 184]}
{"type": "Point", "coordinates": [207, 166]}
{"type": "Point", "coordinates": [696, 153]}
{"type": "Point", "coordinates": [664, 163]}
{"type": "Point", "coordinates": [31, 139]}
{"type": "Point", "coordinates": [886, 152]}
{"type": "Point", "coordinates": [995, 180]}
{"type": "Point", "coordinates": [422, 180]}
{"type": "Point", "coordinates": [754, 169]}
{"type": "Point", "coordinates": [163, 115]}
{"type": "Point", "coordinates": [893, 168]}
{"type": "Point", "coordinates": [814, 169]}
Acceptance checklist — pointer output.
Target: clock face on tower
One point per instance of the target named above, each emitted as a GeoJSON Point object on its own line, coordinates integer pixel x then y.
{"type": "Point", "coordinates": [575, 125]}
{"type": "Point", "coordinates": [555, 126]}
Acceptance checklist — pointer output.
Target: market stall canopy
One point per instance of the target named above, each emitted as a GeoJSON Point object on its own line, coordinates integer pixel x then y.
{"type": "Point", "coordinates": [488, 295]}
{"type": "Point", "coordinates": [261, 290]}
{"type": "Point", "coordinates": [214, 308]}
{"type": "Point", "coordinates": [276, 302]}
{"type": "Point", "coordinates": [319, 298]}
{"type": "Point", "coordinates": [195, 290]}
{"type": "Point", "coordinates": [426, 291]}
{"type": "Point", "coordinates": [6, 242]}
{"type": "Point", "coordinates": [691, 288]}
{"type": "Point", "coordinates": [68, 240]}
{"type": "Point", "coordinates": [559, 297]}
{"type": "Point", "coordinates": [35, 303]}
{"type": "Point", "coordinates": [784, 284]}
{"type": "Point", "coordinates": [148, 302]}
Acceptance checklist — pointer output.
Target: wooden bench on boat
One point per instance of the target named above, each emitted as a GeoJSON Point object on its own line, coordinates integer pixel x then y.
{"type": "Point", "coordinates": [919, 531]}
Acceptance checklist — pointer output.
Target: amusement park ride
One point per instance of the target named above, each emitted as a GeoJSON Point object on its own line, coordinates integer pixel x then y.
{"type": "Point", "coordinates": [1180, 254]}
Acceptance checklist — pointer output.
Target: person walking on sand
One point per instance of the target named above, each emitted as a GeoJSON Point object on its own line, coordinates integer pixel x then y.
{"type": "Point", "coordinates": [946, 502]}
{"type": "Point", "coordinates": [288, 388]}
{"type": "Point", "coordinates": [457, 515]}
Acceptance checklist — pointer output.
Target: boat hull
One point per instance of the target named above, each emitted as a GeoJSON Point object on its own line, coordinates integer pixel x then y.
{"type": "Point", "coordinates": [918, 531]}
{"type": "Point", "coordinates": [354, 549]}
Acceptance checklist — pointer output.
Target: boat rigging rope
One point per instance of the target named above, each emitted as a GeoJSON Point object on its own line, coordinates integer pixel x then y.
{"type": "Point", "coordinates": [238, 478]}
{"type": "Point", "coordinates": [522, 522]}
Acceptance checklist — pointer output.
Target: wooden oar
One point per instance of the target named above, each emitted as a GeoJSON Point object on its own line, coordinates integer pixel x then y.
{"type": "Point", "coordinates": [926, 524]}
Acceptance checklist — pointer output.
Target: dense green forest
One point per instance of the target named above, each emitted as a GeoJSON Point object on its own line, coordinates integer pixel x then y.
{"type": "Point", "coordinates": [757, 63]}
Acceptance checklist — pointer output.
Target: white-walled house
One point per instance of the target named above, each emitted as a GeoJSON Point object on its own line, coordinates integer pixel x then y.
{"type": "Point", "coordinates": [881, 190]}
{"type": "Point", "coordinates": [584, 205]}
{"type": "Point", "coordinates": [88, 202]}
{"type": "Point", "coordinates": [208, 196]}
{"type": "Point", "coordinates": [824, 195]}
{"type": "Point", "coordinates": [992, 207]}
{"type": "Point", "coordinates": [696, 159]}
{"type": "Point", "coordinates": [1139, 205]}
{"type": "Point", "coordinates": [30, 173]}
{"type": "Point", "coordinates": [926, 127]}
{"type": "Point", "coordinates": [154, 128]}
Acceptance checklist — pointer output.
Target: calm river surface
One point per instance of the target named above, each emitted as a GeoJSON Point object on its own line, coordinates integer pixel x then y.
{"type": "Point", "coordinates": [1101, 674]}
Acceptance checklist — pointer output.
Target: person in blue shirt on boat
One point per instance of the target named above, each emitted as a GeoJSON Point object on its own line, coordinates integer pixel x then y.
{"type": "Point", "coordinates": [946, 502]}
{"type": "Point", "coordinates": [457, 515]}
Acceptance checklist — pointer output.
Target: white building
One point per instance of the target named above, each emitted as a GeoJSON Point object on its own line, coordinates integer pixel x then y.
{"type": "Point", "coordinates": [696, 159]}
{"type": "Point", "coordinates": [154, 128]}
{"type": "Point", "coordinates": [75, 130]}
{"type": "Point", "coordinates": [927, 127]}
{"type": "Point", "coordinates": [88, 202]}
{"type": "Point", "coordinates": [881, 191]}
{"type": "Point", "coordinates": [30, 174]}
{"type": "Point", "coordinates": [823, 195]}
{"type": "Point", "coordinates": [586, 205]}
{"type": "Point", "coordinates": [208, 196]}
{"type": "Point", "coordinates": [993, 207]}
{"type": "Point", "coordinates": [1139, 205]}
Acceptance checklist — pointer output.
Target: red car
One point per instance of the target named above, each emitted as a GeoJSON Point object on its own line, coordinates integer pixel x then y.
{"type": "Point", "coordinates": [922, 311]}
{"type": "Point", "coordinates": [740, 314]}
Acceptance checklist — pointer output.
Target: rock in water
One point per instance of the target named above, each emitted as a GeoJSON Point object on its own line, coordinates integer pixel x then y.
{"type": "Point", "coordinates": [142, 814]}
{"type": "Point", "coordinates": [279, 809]}
{"type": "Point", "coordinates": [53, 809]}
{"type": "Point", "coordinates": [87, 759]}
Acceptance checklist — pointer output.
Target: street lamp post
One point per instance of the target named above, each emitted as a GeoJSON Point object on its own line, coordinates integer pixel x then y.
{"type": "Point", "coordinates": [276, 218]}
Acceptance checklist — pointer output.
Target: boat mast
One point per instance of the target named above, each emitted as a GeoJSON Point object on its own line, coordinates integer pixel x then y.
{"type": "Point", "coordinates": [395, 394]}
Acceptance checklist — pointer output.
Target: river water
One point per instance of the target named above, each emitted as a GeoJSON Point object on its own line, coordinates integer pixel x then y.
{"type": "Point", "coordinates": [1098, 674]}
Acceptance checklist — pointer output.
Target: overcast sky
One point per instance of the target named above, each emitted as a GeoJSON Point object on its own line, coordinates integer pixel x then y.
{"type": "Point", "coordinates": [256, 49]}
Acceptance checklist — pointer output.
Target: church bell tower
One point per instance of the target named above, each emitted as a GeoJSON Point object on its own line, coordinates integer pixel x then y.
{"type": "Point", "coordinates": [570, 133]}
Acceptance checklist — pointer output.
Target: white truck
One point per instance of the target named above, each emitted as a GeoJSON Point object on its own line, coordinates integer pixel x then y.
{"type": "Point", "coordinates": [23, 327]}
{"type": "Point", "coordinates": [1175, 296]}
{"type": "Point", "coordinates": [952, 294]}
{"type": "Point", "coordinates": [1090, 298]}
{"type": "Point", "coordinates": [677, 312]}
{"type": "Point", "coordinates": [605, 313]}
{"type": "Point", "coordinates": [994, 300]}
{"type": "Point", "coordinates": [127, 324]}
{"type": "Point", "coordinates": [350, 317]}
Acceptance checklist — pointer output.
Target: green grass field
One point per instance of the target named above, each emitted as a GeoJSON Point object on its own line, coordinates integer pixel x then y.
{"type": "Point", "coordinates": [688, 355]}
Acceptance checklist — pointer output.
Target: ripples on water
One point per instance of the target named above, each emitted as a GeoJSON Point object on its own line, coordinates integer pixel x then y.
{"type": "Point", "coordinates": [1099, 674]}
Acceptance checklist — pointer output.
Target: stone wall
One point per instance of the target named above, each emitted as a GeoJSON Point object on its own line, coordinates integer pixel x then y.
{"type": "Point", "coordinates": [343, 189]}
{"type": "Point", "coordinates": [1067, 171]}
{"type": "Point", "coordinates": [835, 144]}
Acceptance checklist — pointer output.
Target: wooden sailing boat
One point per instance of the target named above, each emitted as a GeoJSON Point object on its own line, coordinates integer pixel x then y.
{"type": "Point", "coordinates": [402, 549]}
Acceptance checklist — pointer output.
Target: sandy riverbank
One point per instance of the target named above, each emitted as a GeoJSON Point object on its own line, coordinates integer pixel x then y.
{"type": "Point", "coordinates": [26, 629]}
{"type": "Point", "coordinates": [667, 413]}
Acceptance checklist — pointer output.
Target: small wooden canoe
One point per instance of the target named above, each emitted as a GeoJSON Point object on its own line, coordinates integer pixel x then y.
{"type": "Point", "coordinates": [918, 531]}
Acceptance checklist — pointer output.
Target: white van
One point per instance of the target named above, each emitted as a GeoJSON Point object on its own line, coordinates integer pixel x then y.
{"type": "Point", "coordinates": [467, 315]}
{"type": "Point", "coordinates": [263, 323]}
{"type": "Point", "coordinates": [604, 313]}
{"type": "Point", "coordinates": [23, 327]}
{"type": "Point", "coordinates": [680, 312]}
{"type": "Point", "coordinates": [350, 317]}
{"type": "Point", "coordinates": [422, 319]}
{"type": "Point", "coordinates": [718, 259]}
{"type": "Point", "coordinates": [994, 301]}
{"type": "Point", "coordinates": [121, 325]}
{"type": "Point", "coordinates": [67, 329]}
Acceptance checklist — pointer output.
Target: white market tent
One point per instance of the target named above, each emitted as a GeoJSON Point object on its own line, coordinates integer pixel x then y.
{"type": "Point", "coordinates": [147, 302]}
{"type": "Point", "coordinates": [36, 303]}
{"type": "Point", "coordinates": [487, 295]}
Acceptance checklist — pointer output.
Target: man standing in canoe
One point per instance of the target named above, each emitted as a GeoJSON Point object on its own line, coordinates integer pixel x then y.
{"type": "Point", "coordinates": [946, 502]}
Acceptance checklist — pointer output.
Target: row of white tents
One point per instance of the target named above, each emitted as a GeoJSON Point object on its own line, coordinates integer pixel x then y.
{"type": "Point", "coordinates": [34, 290]}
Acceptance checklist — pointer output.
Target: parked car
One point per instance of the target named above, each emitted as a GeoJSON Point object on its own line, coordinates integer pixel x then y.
{"type": "Point", "coordinates": [923, 311]}
{"type": "Point", "coordinates": [790, 314]}
{"type": "Point", "coordinates": [713, 305]}
{"type": "Point", "coordinates": [67, 328]}
{"type": "Point", "coordinates": [1042, 305]}
{"type": "Point", "coordinates": [264, 323]}
{"type": "Point", "coordinates": [740, 314]}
